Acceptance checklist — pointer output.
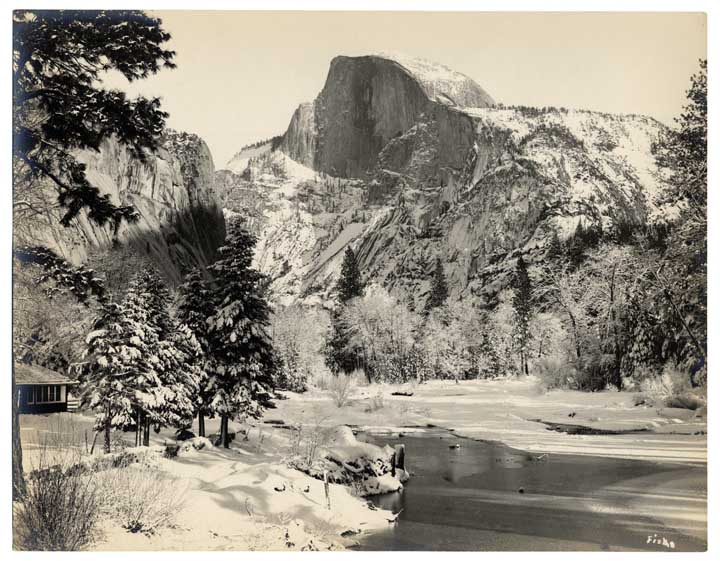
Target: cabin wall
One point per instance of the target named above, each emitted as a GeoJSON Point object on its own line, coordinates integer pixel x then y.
{"type": "Point", "coordinates": [25, 391]}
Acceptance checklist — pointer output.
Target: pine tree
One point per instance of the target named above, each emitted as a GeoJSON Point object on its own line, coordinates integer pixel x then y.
{"type": "Point", "coordinates": [143, 363]}
{"type": "Point", "coordinates": [337, 355]}
{"type": "Point", "coordinates": [181, 357]}
{"type": "Point", "coordinates": [195, 306]}
{"type": "Point", "coordinates": [350, 284]}
{"type": "Point", "coordinates": [147, 301]}
{"type": "Point", "coordinates": [241, 353]}
{"type": "Point", "coordinates": [438, 288]}
{"type": "Point", "coordinates": [555, 247]}
{"type": "Point", "coordinates": [59, 59]}
{"type": "Point", "coordinates": [120, 360]}
{"type": "Point", "coordinates": [682, 283]}
{"type": "Point", "coordinates": [522, 310]}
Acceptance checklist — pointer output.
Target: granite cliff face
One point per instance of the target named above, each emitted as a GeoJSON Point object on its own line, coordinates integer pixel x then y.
{"type": "Point", "coordinates": [405, 161]}
{"type": "Point", "coordinates": [368, 101]}
{"type": "Point", "coordinates": [173, 192]}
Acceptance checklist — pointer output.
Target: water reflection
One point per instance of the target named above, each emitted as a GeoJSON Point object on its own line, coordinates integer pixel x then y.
{"type": "Point", "coordinates": [469, 495]}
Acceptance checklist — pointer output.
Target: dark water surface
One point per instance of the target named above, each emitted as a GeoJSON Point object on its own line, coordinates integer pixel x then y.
{"type": "Point", "coordinates": [487, 496]}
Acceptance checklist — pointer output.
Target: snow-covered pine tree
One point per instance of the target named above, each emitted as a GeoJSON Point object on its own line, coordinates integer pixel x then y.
{"type": "Point", "coordinates": [522, 310]}
{"type": "Point", "coordinates": [438, 288]}
{"type": "Point", "coordinates": [180, 356]}
{"type": "Point", "coordinates": [119, 351]}
{"type": "Point", "coordinates": [350, 285]}
{"type": "Point", "coordinates": [143, 366]}
{"type": "Point", "coordinates": [241, 353]}
{"type": "Point", "coordinates": [168, 399]}
{"type": "Point", "coordinates": [146, 303]}
{"type": "Point", "coordinates": [195, 306]}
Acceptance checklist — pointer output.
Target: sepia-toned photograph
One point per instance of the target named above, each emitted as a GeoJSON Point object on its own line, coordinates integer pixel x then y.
{"type": "Point", "coordinates": [358, 280]}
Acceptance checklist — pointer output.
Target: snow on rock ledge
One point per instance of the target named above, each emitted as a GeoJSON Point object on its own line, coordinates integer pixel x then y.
{"type": "Point", "coordinates": [366, 467]}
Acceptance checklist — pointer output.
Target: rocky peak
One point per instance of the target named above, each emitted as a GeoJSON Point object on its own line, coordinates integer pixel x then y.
{"type": "Point", "coordinates": [366, 102]}
{"type": "Point", "coordinates": [440, 83]}
{"type": "Point", "coordinates": [393, 159]}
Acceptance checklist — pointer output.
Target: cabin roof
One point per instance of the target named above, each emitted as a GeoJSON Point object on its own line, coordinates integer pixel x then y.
{"type": "Point", "coordinates": [34, 375]}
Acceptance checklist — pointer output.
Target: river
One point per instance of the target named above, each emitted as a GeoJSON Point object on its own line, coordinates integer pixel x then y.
{"type": "Point", "coordinates": [484, 496]}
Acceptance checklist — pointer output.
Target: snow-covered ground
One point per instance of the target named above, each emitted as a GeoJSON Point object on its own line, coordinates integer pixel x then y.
{"type": "Point", "coordinates": [247, 498]}
{"type": "Point", "coordinates": [242, 498]}
{"type": "Point", "coordinates": [508, 410]}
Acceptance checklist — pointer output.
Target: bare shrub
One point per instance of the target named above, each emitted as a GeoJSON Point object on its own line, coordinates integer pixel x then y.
{"type": "Point", "coordinates": [322, 378]}
{"type": "Point", "coordinates": [554, 372]}
{"type": "Point", "coordinates": [308, 439]}
{"type": "Point", "coordinates": [62, 506]}
{"type": "Point", "coordinates": [359, 377]}
{"type": "Point", "coordinates": [672, 389]}
{"type": "Point", "coordinates": [141, 497]}
{"type": "Point", "coordinates": [341, 388]}
{"type": "Point", "coordinates": [377, 402]}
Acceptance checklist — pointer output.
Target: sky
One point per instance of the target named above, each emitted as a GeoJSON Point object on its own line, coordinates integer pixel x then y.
{"type": "Point", "coordinates": [241, 75]}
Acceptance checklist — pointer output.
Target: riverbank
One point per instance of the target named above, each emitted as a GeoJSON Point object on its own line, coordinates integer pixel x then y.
{"type": "Point", "coordinates": [516, 413]}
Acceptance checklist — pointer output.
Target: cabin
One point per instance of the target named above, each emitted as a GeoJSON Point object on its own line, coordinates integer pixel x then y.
{"type": "Point", "coordinates": [41, 390]}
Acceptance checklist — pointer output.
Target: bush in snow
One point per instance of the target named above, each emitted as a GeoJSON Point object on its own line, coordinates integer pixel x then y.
{"type": "Point", "coordinates": [672, 388]}
{"type": "Point", "coordinates": [59, 512]}
{"type": "Point", "coordinates": [341, 388]}
{"type": "Point", "coordinates": [554, 372]}
{"type": "Point", "coordinates": [141, 497]}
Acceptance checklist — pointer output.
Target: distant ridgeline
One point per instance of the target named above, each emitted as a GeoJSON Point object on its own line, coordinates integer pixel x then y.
{"type": "Point", "coordinates": [181, 221]}
{"type": "Point", "coordinates": [407, 160]}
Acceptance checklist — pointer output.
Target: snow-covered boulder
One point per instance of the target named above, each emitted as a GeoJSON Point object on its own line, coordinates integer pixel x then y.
{"type": "Point", "coordinates": [191, 446]}
{"type": "Point", "coordinates": [347, 461]}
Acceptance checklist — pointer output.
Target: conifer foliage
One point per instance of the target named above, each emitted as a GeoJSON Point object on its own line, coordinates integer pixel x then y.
{"type": "Point", "coordinates": [242, 360]}
{"type": "Point", "coordinates": [195, 306]}
{"type": "Point", "coordinates": [350, 283]}
{"type": "Point", "coordinates": [522, 312]}
{"type": "Point", "coordinates": [438, 288]}
{"type": "Point", "coordinates": [339, 357]}
{"type": "Point", "coordinates": [227, 311]}
{"type": "Point", "coordinates": [142, 364]}
{"type": "Point", "coordinates": [59, 57]}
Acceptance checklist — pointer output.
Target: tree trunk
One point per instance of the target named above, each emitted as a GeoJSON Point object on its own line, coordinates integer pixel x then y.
{"type": "Point", "coordinates": [201, 424]}
{"type": "Point", "coordinates": [138, 429]}
{"type": "Point", "coordinates": [146, 432]}
{"type": "Point", "coordinates": [107, 433]}
{"type": "Point", "coordinates": [224, 432]}
{"type": "Point", "coordinates": [18, 490]}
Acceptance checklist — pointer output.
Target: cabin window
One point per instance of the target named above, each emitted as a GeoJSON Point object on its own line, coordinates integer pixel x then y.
{"type": "Point", "coordinates": [47, 394]}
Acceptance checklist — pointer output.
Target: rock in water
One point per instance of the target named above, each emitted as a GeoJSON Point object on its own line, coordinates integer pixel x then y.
{"type": "Point", "coordinates": [367, 467]}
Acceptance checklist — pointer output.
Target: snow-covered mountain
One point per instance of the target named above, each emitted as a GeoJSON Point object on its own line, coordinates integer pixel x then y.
{"type": "Point", "coordinates": [407, 160]}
